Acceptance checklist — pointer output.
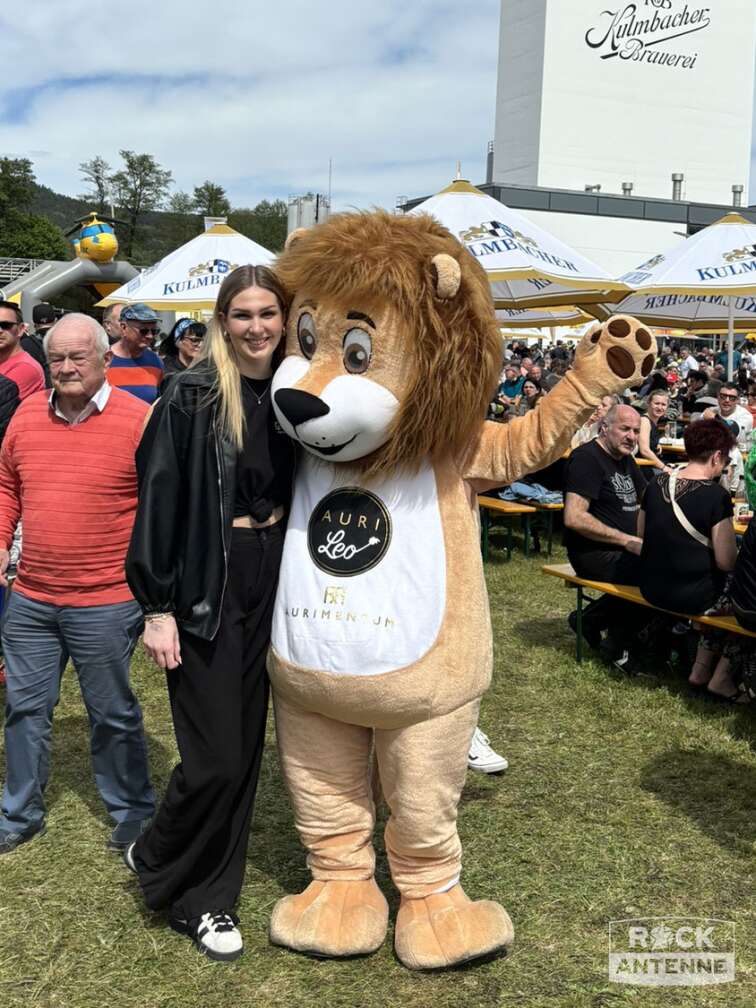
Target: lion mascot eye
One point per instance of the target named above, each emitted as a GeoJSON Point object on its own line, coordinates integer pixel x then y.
{"type": "Point", "coordinates": [307, 335]}
{"type": "Point", "coordinates": [357, 351]}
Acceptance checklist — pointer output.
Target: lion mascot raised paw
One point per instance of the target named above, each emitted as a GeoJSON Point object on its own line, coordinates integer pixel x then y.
{"type": "Point", "coordinates": [381, 634]}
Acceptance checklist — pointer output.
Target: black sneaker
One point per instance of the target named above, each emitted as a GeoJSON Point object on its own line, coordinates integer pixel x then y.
{"type": "Point", "coordinates": [626, 664]}
{"type": "Point", "coordinates": [591, 635]}
{"type": "Point", "coordinates": [126, 833]}
{"type": "Point", "coordinates": [10, 841]}
{"type": "Point", "coordinates": [215, 934]}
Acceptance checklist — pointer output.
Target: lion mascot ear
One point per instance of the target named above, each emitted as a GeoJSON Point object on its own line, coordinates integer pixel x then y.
{"type": "Point", "coordinates": [447, 276]}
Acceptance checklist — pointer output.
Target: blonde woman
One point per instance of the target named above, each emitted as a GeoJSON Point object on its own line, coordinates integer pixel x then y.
{"type": "Point", "coordinates": [215, 481]}
{"type": "Point", "coordinates": [650, 429]}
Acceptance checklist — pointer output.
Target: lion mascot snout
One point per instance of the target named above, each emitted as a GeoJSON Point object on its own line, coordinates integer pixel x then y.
{"type": "Point", "coordinates": [381, 635]}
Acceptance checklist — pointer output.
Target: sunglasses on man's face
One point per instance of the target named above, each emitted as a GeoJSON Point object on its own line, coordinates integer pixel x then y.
{"type": "Point", "coordinates": [7, 326]}
{"type": "Point", "coordinates": [734, 398]}
{"type": "Point", "coordinates": [147, 330]}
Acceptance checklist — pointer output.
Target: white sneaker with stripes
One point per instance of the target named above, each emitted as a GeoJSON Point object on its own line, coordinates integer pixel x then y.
{"type": "Point", "coordinates": [215, 934]}
{"type": "Point", "coordinates": [482, 757]}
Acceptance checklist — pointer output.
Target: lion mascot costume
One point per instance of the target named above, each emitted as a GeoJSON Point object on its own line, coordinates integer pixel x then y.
{"type": "Point", "coordinates": [381, 642]}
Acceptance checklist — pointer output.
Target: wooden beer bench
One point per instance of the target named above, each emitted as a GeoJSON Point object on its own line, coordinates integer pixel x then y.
{"type": "Point", "coordinates": [548, 510]}
{"type": "Point", "coordinates": [492, 505]}
{"type": "Point", "coordinates": [630, 594]}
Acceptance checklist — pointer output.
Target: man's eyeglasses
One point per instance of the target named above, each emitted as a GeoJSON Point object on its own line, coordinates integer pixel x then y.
{"type": "Point", "coordinates": [7, 326]}
{"type": "Point", "coordinates": [724, 395]}
{"type": "Point", "coordinates": [147, 330]}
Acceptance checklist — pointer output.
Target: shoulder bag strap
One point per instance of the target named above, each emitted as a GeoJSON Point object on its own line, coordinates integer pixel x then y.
{"type": "Point", "coordinates": [702, 539]}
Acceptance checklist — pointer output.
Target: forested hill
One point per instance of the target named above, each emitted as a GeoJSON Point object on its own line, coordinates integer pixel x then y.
{"type": "Point", "coordinates": [161, 231]}
{"type": "Point", "coordinates": [61, 210]}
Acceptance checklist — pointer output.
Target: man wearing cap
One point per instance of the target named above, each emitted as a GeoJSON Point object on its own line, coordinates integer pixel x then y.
{"type": "Point", "coordinates": [44, 316]}
{"type": "Point", "coordinates": [15, 362]}
{"type": "Point", "coordinates": [135, 367]}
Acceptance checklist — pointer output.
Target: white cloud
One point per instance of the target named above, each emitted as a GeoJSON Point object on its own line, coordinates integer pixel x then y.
{"type": "Point", "coordinates": [260, 98]}
{"type": "Point", "coordinates": [256, 96]}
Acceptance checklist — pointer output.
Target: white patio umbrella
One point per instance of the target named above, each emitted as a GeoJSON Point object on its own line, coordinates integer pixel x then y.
{"type": "Point", "coordinates": [705, 283]}
{"type": "Point", "coordinates": [527, 266]}
{"type": "Point", "coordinates": [189, 278]}
{"type": "Point", "coordinates": [537, 318]}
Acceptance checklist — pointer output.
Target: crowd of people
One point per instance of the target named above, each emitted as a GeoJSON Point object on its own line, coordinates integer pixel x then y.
{"type": "Point", "coordinates": [147, 490]}
{"type": "Point", "coordinates": [663, 528]}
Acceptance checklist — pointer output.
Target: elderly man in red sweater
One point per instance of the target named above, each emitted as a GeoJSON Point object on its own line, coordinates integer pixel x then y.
{"type": "Point", "coordinates": [67, 469]}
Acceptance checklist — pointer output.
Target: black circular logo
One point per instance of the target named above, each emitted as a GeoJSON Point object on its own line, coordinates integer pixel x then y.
{"type": "Point", "coordinates": [349, 532]}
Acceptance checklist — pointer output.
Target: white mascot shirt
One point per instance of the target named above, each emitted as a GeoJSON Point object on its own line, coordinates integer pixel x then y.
{"type": "Point", "coordinates": [363, 577]}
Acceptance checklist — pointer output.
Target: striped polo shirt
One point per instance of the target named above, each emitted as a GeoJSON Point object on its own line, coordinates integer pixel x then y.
{"type": "Point", "coordinates": [141, 376]}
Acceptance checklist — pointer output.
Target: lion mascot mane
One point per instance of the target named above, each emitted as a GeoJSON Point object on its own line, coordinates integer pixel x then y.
{"type": "Point", "coordinates": [381, 635]}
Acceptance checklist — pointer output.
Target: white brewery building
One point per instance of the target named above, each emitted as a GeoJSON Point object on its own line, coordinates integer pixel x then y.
{"type": "Point", "coordinates": [622, 127]}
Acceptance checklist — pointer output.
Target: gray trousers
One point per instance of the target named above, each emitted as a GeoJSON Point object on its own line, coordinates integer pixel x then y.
{"type": "Point", "coordinates": [37, 639]}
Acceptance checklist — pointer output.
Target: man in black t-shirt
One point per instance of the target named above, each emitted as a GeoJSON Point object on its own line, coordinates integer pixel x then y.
{"type": "Point", "coordinates": [603, 491]}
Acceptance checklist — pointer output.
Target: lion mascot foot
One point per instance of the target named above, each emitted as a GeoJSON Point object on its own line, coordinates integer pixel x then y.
{"type": "Point", "coordinates": [446, 929]}
{"type": "Point", "coordinates": [332, 919]}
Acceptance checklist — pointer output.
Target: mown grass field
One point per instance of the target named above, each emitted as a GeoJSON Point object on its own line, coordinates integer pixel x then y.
{"type": "Point", "coordinates": [624, 798]}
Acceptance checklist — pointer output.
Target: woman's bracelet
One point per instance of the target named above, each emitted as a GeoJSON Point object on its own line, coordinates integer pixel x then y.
{"type": "Point", "coordinates": [155, 617]}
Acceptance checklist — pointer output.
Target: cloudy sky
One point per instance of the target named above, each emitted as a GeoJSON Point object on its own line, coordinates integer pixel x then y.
{"type": "Point", "coordinates": [255, 96]}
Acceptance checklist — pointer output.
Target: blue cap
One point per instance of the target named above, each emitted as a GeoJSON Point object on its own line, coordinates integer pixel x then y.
{"type": "Point", "coordinates": [138, 312]}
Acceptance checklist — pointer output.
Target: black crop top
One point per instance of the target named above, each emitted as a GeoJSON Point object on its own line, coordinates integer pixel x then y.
{"type": "Point", "coordinates": [265, 465]}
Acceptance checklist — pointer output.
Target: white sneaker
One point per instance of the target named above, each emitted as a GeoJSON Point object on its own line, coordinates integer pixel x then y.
{"type": "Point", "coordinates": [215, 934]}
{"type": "Point", "coordinates": [128, 858]}
{"type": "Point", "coordinates": [482, 757]}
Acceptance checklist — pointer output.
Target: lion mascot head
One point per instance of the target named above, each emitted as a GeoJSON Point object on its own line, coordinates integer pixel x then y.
{"type": "Point", "coordinates": [392, 345]}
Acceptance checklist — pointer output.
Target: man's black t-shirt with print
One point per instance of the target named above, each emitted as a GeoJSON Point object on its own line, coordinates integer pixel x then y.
{"type": "Point", "coordinates": [614, 488]}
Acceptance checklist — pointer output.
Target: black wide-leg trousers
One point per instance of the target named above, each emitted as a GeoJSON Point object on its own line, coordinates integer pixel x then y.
{"type": "Point", "coordinates": [192, 857]}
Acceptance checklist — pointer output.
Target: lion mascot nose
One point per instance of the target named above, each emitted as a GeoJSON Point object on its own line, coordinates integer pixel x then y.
{"type": "Point", "coordinates": [299, 407]}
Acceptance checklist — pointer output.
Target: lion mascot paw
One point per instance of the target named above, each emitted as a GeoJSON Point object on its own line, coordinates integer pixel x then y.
{"type": "Point", "coordinates": [381, 645]}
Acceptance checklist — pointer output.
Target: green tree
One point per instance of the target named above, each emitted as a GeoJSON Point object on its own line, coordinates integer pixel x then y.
{"type": "Point", "coordinates": [16, 185]}
{"type": "Point", "coordinates": [181, 203]}
{"type": "Point", "coordinates": [264, 224]}
{"type": "Point", "coordinates": [97, 173]}
{"type": "Point", "coordinates": [24, 235]}
{"type": "Point", "coordinates": [210, 200]}
{"type": "Point", "coordinates": [179, 225]}
{"type": "Point", "coordinates": [140, 186]}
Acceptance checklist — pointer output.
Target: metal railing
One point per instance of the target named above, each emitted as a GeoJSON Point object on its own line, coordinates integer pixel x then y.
{"type": "Point", "coordinates": [12, 269]}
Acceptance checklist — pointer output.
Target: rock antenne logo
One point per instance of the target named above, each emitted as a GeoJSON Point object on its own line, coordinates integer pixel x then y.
{"type": "Point", "coordinates": [634, 31]}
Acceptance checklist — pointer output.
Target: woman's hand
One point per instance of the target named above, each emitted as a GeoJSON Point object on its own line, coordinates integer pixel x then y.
{"type": "Point", "coordinates": [161, 642]}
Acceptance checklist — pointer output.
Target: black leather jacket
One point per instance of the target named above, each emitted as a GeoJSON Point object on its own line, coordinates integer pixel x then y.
{"type": "Point", "coordinates": [9, 403]}
{"type": "Point", "coordinates": [178, 556]}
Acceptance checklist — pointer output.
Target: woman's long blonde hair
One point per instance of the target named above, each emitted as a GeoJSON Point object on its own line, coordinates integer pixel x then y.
{"type": "Point", "coordinates": [219, 351]}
